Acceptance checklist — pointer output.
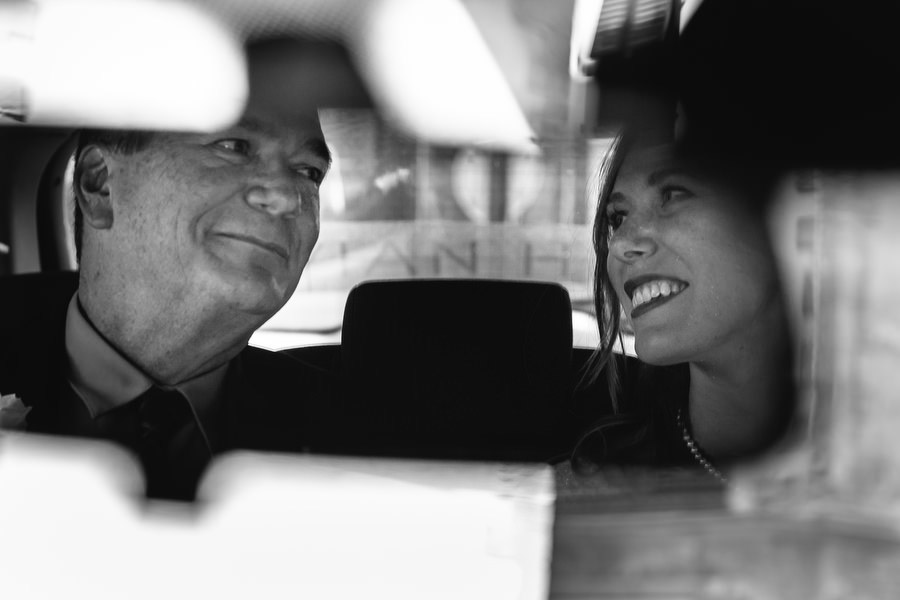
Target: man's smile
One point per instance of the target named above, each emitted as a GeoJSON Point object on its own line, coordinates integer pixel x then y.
{"type": "Point", "coordinates": [272, 247]}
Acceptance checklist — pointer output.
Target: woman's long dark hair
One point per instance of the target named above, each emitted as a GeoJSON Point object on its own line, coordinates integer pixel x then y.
{"type": "Point", "coordinates": [606, 304]}
{"type": "Point", "coordinates": [613, 435]}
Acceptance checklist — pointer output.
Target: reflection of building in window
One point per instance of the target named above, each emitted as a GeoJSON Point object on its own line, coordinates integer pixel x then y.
{"type": "Point", "coordinates": [410, 209]}
{"type": "Point", "coordinates": [350, 252]}
{"type": "Point", "coordinates": [377, 167]}
{"type": "Point", "coordinates": [388, 176]}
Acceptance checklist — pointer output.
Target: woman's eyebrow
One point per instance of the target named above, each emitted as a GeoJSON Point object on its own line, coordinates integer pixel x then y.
{"type": "Point", "coordinates": [660, 175]}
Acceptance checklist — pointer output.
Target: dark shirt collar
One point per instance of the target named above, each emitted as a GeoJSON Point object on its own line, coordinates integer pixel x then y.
{"type": "Point", "coordinates": [105, 379]}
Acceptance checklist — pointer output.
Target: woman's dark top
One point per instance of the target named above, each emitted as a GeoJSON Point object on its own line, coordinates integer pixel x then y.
{"type": "Point", "coordinates": [642, 431]}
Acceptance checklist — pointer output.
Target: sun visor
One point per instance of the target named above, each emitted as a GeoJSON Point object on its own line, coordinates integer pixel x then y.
{"type": "Point", "coordinates": [118, 63]}
{"type": "Point", "coordinates": [433, 75]}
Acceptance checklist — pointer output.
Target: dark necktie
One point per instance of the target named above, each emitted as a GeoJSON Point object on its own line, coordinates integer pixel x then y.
{"type": "Point", "coordinates": [170, 444]}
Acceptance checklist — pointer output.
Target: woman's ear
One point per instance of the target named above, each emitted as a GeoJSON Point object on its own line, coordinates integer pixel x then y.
{"type": "Point", "coordinates": [92, 187]}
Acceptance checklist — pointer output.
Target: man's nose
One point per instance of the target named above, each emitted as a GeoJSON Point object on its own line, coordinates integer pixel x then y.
{"type": "Point", "coordinates": [276, 193]}
{"type": "Point", "coordinates": [635, 239]}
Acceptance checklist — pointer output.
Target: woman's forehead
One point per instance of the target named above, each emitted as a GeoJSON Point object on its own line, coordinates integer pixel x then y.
{"type": "Point", "coordinates": [645, 160]}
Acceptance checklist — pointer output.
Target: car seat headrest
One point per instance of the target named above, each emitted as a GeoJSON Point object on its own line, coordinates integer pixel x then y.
{"type": "Point", "coordinates": [440, 361]}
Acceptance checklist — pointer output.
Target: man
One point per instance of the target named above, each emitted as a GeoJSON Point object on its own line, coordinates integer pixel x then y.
{"type": "Point", "coordinates": [188, 242]}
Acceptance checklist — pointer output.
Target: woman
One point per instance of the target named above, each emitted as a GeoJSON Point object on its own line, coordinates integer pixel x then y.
{"type": "Point", "coordinates": [683, 255]}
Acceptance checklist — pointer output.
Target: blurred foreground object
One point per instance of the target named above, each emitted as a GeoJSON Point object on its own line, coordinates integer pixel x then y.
{"type": "Point", "coordinates": [818, 516]}
{"type": "Point", "coordinates": [719, 556]}
{"type": "Point", "coordinates": [453, 72]}
{"type": "Point", "coordinates": [434, 74]}
{"type": "Point", "coordinates": [834, 481]}
{"type": "Point", "coordinates": [845, 459]}
{"type": "Point", "coordinates": [138, 64]}
{"type": "Point", "coordinates": [272, 526]}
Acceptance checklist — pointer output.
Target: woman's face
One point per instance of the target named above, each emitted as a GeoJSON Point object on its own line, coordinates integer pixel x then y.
{"type": "Point", "coordinates": [688, 261]}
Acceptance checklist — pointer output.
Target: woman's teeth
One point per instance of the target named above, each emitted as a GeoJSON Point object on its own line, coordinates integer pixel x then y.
{"type": "Point", "coordinates": [653, 289]}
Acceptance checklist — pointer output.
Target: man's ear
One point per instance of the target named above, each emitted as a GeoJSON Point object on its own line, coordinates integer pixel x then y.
{"type": "Point", "coordinates": [92, 187]}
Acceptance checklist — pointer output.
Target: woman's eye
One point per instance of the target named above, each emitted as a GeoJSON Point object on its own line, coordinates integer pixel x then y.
{"type": "Point", "coordinates": [675, 192]}
{"type": "Point", "coordinates": [235, 145]}
{"type": "Point", "coordinates": [615, 218]}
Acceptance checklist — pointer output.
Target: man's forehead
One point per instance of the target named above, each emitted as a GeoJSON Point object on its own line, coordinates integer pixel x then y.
{"type": "Point", "coordinates": [260, 123]}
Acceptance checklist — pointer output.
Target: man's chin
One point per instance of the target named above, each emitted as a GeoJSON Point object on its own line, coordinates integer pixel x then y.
{"type": "Point", "coordinates": [253, 291]}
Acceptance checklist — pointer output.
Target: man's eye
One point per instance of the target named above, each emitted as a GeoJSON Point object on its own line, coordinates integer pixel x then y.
{"type": "Point", "coordinates": [314, 174]}
{"type": "Point", "coordinates": [238, 146]}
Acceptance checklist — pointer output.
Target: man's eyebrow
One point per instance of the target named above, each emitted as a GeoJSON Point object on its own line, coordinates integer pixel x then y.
{"type": "Point", "coordinates": [254, 125]}
{"type": "Point", "coordinates": [315, 145]}
{"type": "Point", "coordinates": [318, 147]}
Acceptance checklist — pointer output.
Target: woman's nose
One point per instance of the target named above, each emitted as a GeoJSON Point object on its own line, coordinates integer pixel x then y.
{"type": "Point", "coordinates": [635, 239]}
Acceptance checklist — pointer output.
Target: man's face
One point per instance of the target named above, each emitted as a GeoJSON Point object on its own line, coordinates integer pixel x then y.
{"type": "Point", "coordinates": [227, 218]}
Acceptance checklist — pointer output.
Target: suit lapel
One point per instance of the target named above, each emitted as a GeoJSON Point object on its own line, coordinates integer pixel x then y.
{"type": "Point", "coordinates": [244, 408]}
{"type": "Point", "coordinates": [264, 398]}
{"type": "Point", "coordinates": [264, 402]}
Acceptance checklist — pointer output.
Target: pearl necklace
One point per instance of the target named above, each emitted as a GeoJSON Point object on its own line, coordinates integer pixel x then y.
{"type": "Point", "coordinates": [696, 451]}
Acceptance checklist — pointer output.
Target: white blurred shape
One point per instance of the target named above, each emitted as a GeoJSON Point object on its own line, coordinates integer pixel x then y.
{"type": "Point", "coordinates": [346, 528]}
{"type": "Point", "coordinates": [526, 178]}
{"type": "Point", "coordinates": [62, 503]}
{"type": "Point", "coordinates": [271, 526]}
{"type": "Point", "coordinates": [433, 73]}
{"type": "Point", "coordinates": [471, 181]}
{"type": "Point", "coordinates": [584, 28]}
{"type": "Point", "coordinates": [688, 8]}
{"type": "Point", "coordinates": [121, 63]}
{"type": "Point", "coordinates": [331, 192]}
{"type": "Point", "coordinates": [584, 330]}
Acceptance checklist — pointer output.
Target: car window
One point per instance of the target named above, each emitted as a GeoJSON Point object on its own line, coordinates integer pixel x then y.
{"type": "Point", "coordinates": [393, 207]}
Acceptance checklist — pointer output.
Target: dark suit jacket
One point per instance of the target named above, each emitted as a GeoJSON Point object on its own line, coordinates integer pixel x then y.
{"type": "Point", "coordinates": [272, 401]}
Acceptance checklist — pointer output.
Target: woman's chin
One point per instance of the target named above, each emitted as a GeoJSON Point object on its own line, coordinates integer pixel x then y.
{"type": "Point", "coordinates": [660, 353]}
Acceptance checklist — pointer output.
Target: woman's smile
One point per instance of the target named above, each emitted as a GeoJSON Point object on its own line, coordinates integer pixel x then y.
{"type": "Point", "coordinates": [649, 291]}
